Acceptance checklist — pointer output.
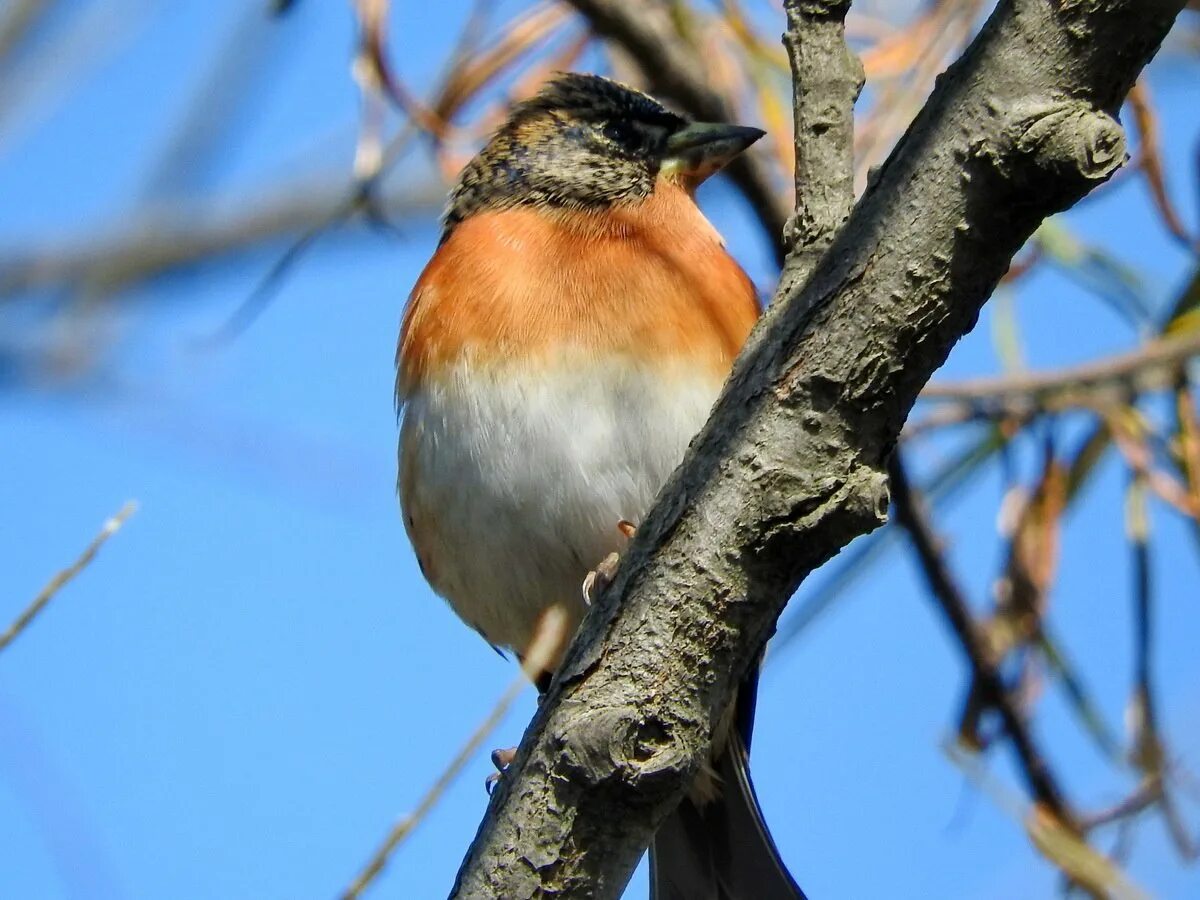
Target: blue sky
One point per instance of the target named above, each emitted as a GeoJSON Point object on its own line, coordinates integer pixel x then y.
{"type": "Point", "coordinates": [252, 682]}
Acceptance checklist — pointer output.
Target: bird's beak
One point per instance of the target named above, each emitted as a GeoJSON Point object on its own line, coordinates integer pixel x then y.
{"type": "Point", "coordinates": [700, 149]}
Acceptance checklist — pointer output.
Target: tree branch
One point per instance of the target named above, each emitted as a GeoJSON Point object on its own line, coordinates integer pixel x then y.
{"type": "Point", "coordinates": [48, 593]}
{"type": "Point", "coordinates": [791, 465]}
{"type": "Point", "coordinates": [183, 234]}
{"type": "Point", "coordinates": [912, 516]}
{"type": "Point", "coordinates": [1151, 367]}
{"type": "Point", "coordinates": [1020, 397]}
{"type": "Point", "coordinates": [674, 71]}
{"type": "Point", "coordinates": [827, 79]}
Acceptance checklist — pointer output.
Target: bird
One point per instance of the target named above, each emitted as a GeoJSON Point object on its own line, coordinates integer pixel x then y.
{"type": "Point", "coordinates": [564, 344]}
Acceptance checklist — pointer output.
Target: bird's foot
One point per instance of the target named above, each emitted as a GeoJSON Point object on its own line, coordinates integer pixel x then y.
{"type": "Point", "coordinates": [601, 576]}
{"type": "Point", "coordinates": [501, 759]}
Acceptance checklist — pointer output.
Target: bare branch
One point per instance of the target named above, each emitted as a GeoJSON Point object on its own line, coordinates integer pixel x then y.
{"type": "Point", "coordinates": [827, 79]}
{"type": "Point", "coordinates": [1151, 164]}
{"type": "Point", "coordinates": [912, 516]}
{"type": "Point", "coordinates": [62, 578]}
{"type": "Point", "coordinates": [550, 636]}
{"type": "Point", "coordinates": [1153, 366]}
{"type": "Point", "coordinates": [16, 23]}
{"type": "Point", "coordinates": [184, 234]}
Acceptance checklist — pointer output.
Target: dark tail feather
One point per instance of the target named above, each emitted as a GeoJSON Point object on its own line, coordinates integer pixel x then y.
{"type": "Point", "coordinates": [722, 850]}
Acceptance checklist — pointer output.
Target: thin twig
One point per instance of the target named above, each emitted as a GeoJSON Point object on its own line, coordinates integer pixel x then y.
{"type": "Point", "coordinates": [62, 578]}
{"type": "Point", "coordinates": [911, 516]}
{"type": "Point", "coordinates": [1147, 752]}
{"type": "Point", "coordinates": [1131, 437]}
{"type": "Point", "coordinates": [1145, 795]}
{"type": "Point", "coordinates": [461, 79]}
{"type": "Point", "coordinates": [547, 643]}
{"type": "Point", "coordinates": [1152, 366]}
{"type": "Point", "coordinates": [1150, 163]}
{"type": "Point", "coordinates": [406, 825]}
{"type": "Point", "coordinates": [1085, 867]}
{"type": "Point", "coordinates": [184, 233]}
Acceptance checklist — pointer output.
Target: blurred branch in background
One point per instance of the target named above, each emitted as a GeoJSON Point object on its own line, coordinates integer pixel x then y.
{"type": "Point", "coordinates": [912, 515]}
{"type": "Point", "coordinates": [1149, 161]}
{"type": "Point", "coordinates": [164, 240]}
{"type": "Point", "coordinates": [1155, 366]}
{"type": "Point", "coordinates": [48, 49]}
{"type": "Point", "coordinates": [21, 18]}
{"type": "Point", "coordinates": [1110, 391]}
{"type": "Point", "coordinates": [48, 593]}
{"type": "Point", "coordinates": [549, 636]}
{"type": "Point", "coordinates": [674, 48]}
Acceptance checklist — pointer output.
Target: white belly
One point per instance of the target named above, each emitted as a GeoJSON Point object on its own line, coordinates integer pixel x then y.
{"type": "Point", "coordinates": [513, 479]}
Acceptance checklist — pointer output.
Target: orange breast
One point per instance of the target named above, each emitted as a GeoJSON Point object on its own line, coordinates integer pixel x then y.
{"type": "Point", "coordinates": [652, 281]}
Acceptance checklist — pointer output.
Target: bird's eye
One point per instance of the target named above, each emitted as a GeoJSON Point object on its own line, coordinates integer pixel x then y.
{"type": "Point", "coordinates": [620, 131]}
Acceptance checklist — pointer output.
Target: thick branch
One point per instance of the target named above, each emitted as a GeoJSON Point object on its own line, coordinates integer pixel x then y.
{"type": "Point", "coordinates": [675, 72]}
{"type": "Point", "coordinates": [792, 464]}
{"type": "Point", "coordinates": [827, 78]}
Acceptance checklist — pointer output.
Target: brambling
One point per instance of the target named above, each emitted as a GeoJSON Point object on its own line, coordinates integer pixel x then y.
{"type": "Point", "coordinates": [561, 348]}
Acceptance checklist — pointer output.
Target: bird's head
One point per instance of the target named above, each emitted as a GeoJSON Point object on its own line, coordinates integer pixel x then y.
{"type": "Point", "coordinates": [585, 143]}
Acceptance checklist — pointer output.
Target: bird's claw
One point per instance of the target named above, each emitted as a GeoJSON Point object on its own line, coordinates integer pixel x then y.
{"type": "Point", "coordinates": [501, 759]}
{"type": "Point", "coordinates": [600, 577]}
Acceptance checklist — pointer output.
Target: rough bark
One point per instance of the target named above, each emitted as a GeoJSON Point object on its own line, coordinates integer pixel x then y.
{"type": "Point", "coordinates": [827, 79]}
{"type": "Point", "coordinates": [792, 464]}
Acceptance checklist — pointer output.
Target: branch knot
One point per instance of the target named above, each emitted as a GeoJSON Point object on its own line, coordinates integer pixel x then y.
{"type": "Point", "coordinates": [1069, 141]}
{"type": "Point", "coordinates": [617, 743]}
{"type": "Point", "coordinates": [1070, 137]}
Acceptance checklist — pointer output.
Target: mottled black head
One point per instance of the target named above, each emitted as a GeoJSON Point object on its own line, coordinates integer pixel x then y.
{"type": "Point", "coordinates": [585, 142]}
